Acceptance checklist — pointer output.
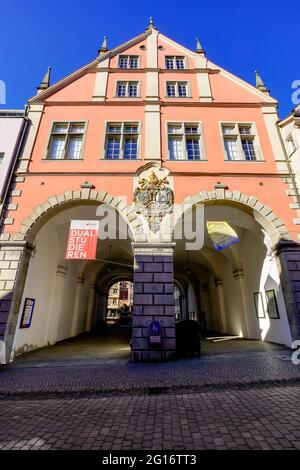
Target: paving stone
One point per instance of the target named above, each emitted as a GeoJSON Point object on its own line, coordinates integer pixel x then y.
{"type": "Point", "coordinates": [239, 395]}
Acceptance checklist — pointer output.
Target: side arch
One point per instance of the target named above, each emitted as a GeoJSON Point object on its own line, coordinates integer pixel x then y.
{"type": "Point", "coordinates": [264, 215]}
{"type": "Point", "coordinates": [57, 203]}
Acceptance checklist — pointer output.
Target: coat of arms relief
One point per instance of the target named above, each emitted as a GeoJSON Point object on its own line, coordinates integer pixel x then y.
{"type": "Point", "coordinates": [153, 198]}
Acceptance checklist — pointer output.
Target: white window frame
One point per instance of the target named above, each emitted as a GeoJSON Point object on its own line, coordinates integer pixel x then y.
{"type": "Point", "coordinates": [122, 135]}
{"type": "Point", "coordinates": [252, 136]}
{"type": "Point", "coordinates": [68, 133]}
{"type": "Point", "coordinates": [174, 58]}
{"type": "Point", "coordinates": [127, 82]}
{"type": "Point", "coordinates": [121, 56]}
{"type": "Point", "coordinates": [177, 82]}
{"type": "Point", "coordinates": [183, 134]}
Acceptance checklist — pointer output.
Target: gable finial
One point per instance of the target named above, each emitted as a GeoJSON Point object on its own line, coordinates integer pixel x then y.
{"type": "Point", "coordinates": [45, 83]}
{"type": "Point", "coordinates": [260, 84]}
{"type": "Point", "coordinates": [199, 48]}
{"type": "Point", "coordinates": [103, 48]}
{"type": "Point", "coordinates": [151, 24]}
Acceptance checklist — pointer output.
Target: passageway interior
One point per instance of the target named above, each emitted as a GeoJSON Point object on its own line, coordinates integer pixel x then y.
{"type": "Point", "coordinates": [225, 291]}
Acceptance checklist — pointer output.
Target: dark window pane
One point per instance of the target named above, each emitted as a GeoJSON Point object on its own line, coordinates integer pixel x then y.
{"type": "Point", "coordinates": [113, 148]}
{"type": "Point", "coordinates": [130, 148]}
{"type": "Point", "coordinates": [193, 149]}
{"type": "Point", "coordinates": [248, 148]}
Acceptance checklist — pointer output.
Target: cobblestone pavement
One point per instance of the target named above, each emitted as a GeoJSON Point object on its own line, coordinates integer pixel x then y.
{"type": "Point", "coordinates": [256, 418]}
{"type": "Point", "coordinates": [239, 395]}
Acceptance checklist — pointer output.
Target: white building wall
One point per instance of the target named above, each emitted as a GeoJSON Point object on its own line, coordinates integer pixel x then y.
{"type": "Point", "coordinates": [261, 274]}
{"type": "Point", "coordinates": [291, 128]}
{"type": "Point", "coordinates": [233, 301]}
{"type": "Point", "coordinates": [10, 128]}
{"type": "Point", "coordinates": [39, 286]}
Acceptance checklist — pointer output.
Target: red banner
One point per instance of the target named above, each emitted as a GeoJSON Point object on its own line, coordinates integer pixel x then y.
{"type": "Point", "coordinates": [82, 241]}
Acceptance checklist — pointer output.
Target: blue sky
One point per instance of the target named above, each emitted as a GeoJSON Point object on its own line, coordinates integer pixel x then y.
{"type": "Point", "coordinates": [239, 36]}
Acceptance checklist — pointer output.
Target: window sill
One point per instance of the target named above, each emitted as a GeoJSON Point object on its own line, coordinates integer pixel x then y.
{"type": "Point", "coordinates": [186, 161]}
{"type": "Point", "coordinates": [120, 159]}
{"type": "Point", "coordinates": [244, 161]}
{"type": "Point", "coordinates": [62, 159]}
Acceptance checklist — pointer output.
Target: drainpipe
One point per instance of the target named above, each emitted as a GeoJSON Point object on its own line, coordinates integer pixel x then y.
{"type": "Point", "coordinates": [13, 164]}
{"type": "Point", "coordinates": [287, 159]}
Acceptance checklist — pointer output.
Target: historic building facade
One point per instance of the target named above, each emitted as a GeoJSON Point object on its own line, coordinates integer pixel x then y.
{"type": "Point", "coordinates": [155, 132]}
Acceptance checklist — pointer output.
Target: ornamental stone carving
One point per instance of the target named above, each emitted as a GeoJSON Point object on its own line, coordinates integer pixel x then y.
{"type": "Point", "coordinates": [153, 198]}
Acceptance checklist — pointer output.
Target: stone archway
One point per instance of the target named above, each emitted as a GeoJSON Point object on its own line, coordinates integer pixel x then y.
{"type": "Point", "coordinates": [263, 214]}
{"type": "Point", "coordinates": [102, 288]}
{"type": "Point", "coordinates": [56, 203]}
{"type": "Point", "coordinates": [278, 243]}
{"type": "Point", "coordinates": [19, 248]}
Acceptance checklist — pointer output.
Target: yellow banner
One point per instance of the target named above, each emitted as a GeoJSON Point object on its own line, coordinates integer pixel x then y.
{"type": "Point", "coordinates": [222, 235]}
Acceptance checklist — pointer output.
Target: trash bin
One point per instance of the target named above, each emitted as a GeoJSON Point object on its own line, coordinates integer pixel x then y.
{"type": "Point", "coordinates": [188, 338]}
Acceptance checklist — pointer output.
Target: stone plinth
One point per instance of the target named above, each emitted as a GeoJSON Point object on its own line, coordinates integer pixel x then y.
{"type": "Point", "coordinates": [288, 257]}
{"type": "Point", "coordinates": [153, 298]}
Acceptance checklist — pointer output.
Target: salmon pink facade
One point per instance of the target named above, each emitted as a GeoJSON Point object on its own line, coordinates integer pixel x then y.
{"type": "Point", "coordinates": [152, 115]}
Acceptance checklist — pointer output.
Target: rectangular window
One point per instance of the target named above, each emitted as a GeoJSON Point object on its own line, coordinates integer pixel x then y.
{"type": "Point", "coordinates": [192, 147]}
{"type": "Point", "coordinates": [175, 129]}
{"type": "Point", "coordinates": [182, 89]}
{"type": "Point", "coordinates": [232, 149]}
{"type": "Point", "coordinates": [131, 129]}
{"type": "Point", "coordinates": [66, 141]}
{"type": "Point", "coordinates": [184, 142]}
{"type": "Point", "coordinates": [127, 89]}
{"type": "Point", "coordinates": [122, 141]}
{"type": "Point", "coordinates": [114, 128]}
{"type": "Point", "coordinates": [180, 63]}
{"type": "Point", "coordinates": [174, 62]}
{"type": "Point", "coordinates": [128, 62]}
{"type": "Point", "coordinates": [170, 63]}
{"type": "Point", "coordinates": [132, 89]}
{"type": "Point", "coordinates": [74, 148]}
{"type": "Point", "coordinates": [248, 149]}
{"type": "Point", "coordinates": [1, 157]}
{"type": "Point", "coordinates": [177, 89]}
{"type": "Point", "coordinates": [171, 89]}
{"type": "Point", "coordinates": [113, 148]}
{"type": "Point", "coordinates": [57, 147]}
{"type": "Point", "coordinates": [228, 130]}
{"type": "Point", "coordinates": [240, 141]}
{"type": "Point", "coordinates": [130, 148]}
{"type": "Point", "coordinates": [122, 89]}
{"type": "Point", "coordinates": [133, 62]}
{"type": "Point", "coordinates": [123, 62]}
{"type": "Point", "coordinates": [272, 307]}
{"type": "Point", "coordinates": [176, 148]}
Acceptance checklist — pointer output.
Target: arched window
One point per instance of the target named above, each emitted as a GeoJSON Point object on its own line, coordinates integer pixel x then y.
{"type": "Point", "coordinates": [119, 303]}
